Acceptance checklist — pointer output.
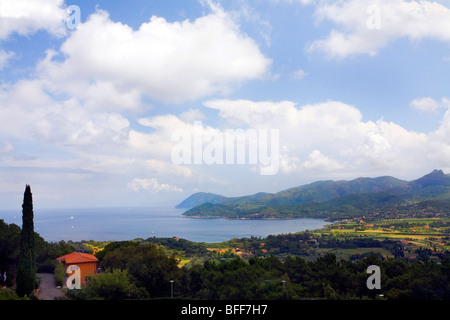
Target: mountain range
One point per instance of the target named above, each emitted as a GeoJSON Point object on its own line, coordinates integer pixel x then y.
{"type": "Point", "coordinates": [324, 198]}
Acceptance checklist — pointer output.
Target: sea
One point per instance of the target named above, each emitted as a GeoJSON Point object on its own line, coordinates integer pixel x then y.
{"type": "Point", "coordinates": [119, 224]}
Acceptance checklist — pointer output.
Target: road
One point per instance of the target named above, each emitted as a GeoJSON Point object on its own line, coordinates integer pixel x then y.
{"type": "Point", "coordinates": [47, 288]}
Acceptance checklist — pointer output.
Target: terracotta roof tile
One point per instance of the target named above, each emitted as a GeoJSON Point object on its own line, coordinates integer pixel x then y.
{"type": "Point", "coordinates": [77, 257]}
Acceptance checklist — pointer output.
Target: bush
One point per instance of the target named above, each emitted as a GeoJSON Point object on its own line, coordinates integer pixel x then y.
{"type": "Point", "coordinates": [37, 281]}
{"type": "Point", "coordinates": [148, 264]}
{"type": "Point", "coordinates": [116, 285]}
{"type": "Point", "coordinates": [60, 273]}
{"type": "Point", "coordinates": [7, 294]}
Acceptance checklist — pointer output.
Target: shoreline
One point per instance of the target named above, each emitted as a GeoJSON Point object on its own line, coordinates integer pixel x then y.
{"type": "Point", "coordinates": [121, 224]}
{"type": "Point", "coordinates": [263, 219]}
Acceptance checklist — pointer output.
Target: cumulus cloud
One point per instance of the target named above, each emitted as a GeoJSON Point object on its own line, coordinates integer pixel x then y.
{"type": "Point", "coordinates": [76, 104]}
{"type": "Point", "coordinates": [317, 161]}
{"type": "Point", "coordinates": [429, 104]}
{"type": "Point", "coordinates": [152, 185]}
{"type": "Point", "coordinates": [192, 115]}
{"type": "Point", "coordinates": [367, 26]}
{"type": "Point", "coordinates": [294, 1]}
{"type": "Point", "coordinates": [331, 136]}
{"type": "Point", "coordinates": [63, 123]}
{"type": "Point", "coordinates": [25, 17]}
{"type": "Point", "coordinates": [168, 61]}
{"type": "Point", "coordinates": [299, 74]}
{"type": "Point", "coordinates": [4, 57]}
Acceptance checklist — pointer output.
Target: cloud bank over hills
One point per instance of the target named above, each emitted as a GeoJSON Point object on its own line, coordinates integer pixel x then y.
{"type": "Point", "coordinates": [89, 113]}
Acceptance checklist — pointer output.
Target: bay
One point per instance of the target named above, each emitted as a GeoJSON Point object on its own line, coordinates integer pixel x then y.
{"type": "Point", "coordinates": [119, 224]}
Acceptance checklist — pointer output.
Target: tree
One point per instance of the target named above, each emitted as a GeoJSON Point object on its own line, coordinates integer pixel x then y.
{"type": "Point", "coordinates": [9, 250]}
{"type": "Point", "coordinates": [26, 273]}
{"type": "Point", "coordinates": [148, 264]}
{"type": "Point", "coordinates": [115, 285]}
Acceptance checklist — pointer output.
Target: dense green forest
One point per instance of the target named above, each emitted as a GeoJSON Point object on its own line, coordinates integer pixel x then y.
{"type": "Point", "coordinates": [143, 271]}
{"type": "Point", "coordinates": [346, 207]}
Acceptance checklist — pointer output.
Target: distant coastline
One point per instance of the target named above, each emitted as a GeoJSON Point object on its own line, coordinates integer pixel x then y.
{"type": "Point", "coordinates": [330, 200]}
{"type": "Point", "coordinates": [122, 224]}
{"type": "Point", "coordinates": [256, 219]}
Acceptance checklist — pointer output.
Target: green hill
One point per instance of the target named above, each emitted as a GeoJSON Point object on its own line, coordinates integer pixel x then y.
{"type": "Point", "coordinates": [326, 190]}
{"type": "Point", "coordinates": [435, 185]}
{"type": "Point", "coordinates": [347, 206]}
{"type": "Point", "coordinates": [327, 199]}
{"type": "Point", "coordinates": [315, 192]}
{"type": "Point", "coordinates": [200, 198]}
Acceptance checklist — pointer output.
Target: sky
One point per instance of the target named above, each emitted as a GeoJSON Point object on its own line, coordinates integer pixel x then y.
{"type": "Point", "coordinates": [125, 103]}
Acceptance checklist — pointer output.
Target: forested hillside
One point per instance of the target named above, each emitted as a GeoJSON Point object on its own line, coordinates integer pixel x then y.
{"type": "Point", "coordinates": [335, 200]}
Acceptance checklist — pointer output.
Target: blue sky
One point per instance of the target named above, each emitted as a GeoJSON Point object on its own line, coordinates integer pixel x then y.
{"type": "Point", "coordinates": [354, 88]}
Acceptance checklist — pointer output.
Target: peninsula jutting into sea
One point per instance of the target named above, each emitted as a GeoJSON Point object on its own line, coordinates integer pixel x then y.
{"type": "Point", "coordinates": [331, 200]}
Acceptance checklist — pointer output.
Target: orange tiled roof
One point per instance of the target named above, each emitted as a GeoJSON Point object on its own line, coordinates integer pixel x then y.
{"type": "Point", "coordinates": [77, 257]}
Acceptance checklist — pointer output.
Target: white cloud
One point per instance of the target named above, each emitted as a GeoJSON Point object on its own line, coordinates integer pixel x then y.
{"type": "Point", "coordinates": [293, 1]}
{"type": "Point", "coordinates": [4, 57]}
{"type": "Point", "coordinates": [79, 102]}
{"type": "Point", "coordinates": [367, 26]}
{"type": "Point", "coordinates": [324, 137]}
{"type": "Point", "coordinates": [6, 147]}
{"type": "Point", "coordinates": [25, 17]}
{"type": "Point", "coordinates": [165, 168]}
{"type": "Point", "coordinates": [299, 74]}
{"type": "Point", "coordinates": [428, 104]}
{"type": "Point", "coordinates": [332, 136]}
{"type": "Point", "coordinates": [75, 105]}
{"type": "Point", "coordinates": [317, 161]}
{"type": "Point", "coordinates": [192, 115]}
{"type": "Point", "coordinates": [34, 115]}
{"type": "Point", "coordinates": [169, 61]}
{"type": "Point", "coordinates": [442, 135]}
{"type": "Point", "coordinates": [151, 185]}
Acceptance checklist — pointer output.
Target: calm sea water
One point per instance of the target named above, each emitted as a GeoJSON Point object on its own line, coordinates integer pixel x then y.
{"type": "Point", "coordinates": [118, 224]}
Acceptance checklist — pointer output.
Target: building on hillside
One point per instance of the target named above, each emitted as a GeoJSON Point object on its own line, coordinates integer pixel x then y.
{"type": "Point", "coordinates": [87, 263]}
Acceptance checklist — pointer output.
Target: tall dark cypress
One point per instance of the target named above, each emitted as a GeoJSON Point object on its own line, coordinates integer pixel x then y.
{"type": "Point", "coordinates": [26, 272]}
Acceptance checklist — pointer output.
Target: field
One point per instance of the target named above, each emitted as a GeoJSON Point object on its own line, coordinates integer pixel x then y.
{"type": "Point", "coordinates": [413, 234]}
{"type": "Point", "coordinates": [348, 253]}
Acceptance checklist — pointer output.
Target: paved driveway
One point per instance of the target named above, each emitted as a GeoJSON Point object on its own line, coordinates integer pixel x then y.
{"type": "Point", "coordinates": [47, 288]}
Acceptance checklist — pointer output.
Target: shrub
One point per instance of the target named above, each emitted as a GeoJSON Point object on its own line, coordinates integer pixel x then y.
{"type": "Point", "coordinates": [7, 294]}
{"type": "Point", "coordinates": [37, 281]}
{"type": "Point", "coordinates": [115, 285]}
{"type": "Point", "coordinates": [60, 273]}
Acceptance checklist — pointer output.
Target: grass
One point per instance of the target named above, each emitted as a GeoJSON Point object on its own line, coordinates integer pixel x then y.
{"type": "Point", "coordinates": [183, 262]}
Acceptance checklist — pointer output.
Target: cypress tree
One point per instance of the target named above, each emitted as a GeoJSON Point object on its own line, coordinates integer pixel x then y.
{"type": "Point", "coordinates": [26, 273]}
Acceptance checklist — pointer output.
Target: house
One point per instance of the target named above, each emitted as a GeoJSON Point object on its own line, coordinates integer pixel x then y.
{"type": "Point", "coordinates": [87, 263]}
